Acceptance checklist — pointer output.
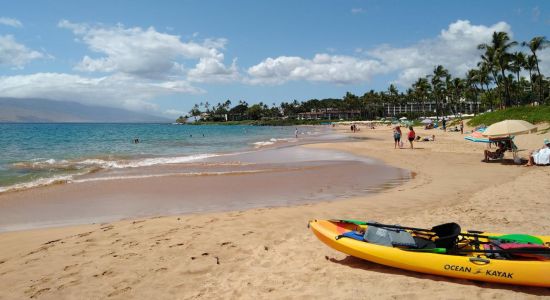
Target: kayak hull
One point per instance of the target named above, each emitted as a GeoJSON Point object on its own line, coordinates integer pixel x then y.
{"type": "Point", "coordinates": [473, 267]}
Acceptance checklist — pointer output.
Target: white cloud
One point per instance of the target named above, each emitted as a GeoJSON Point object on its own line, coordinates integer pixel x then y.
{"type": "Point", "coordinates": [11, 22]}
{"type": "Point", "coordinates": [114, 91]}
{"type": "Point", "coordinates": [356, 11]}
{"type": "Point", "coordinates": [455, 48]}
{"type": "Point", "coordinates": [14, 54]}
{"type": "Point", "coordinates": [323, 68]}
{"type": "Point", "coordinates": [210, 69]}
{"type": "Point", "coordinates": [147, 53]}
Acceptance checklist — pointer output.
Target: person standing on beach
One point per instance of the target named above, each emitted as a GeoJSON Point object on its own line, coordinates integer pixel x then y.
{"type": "Point", "coordinates": [461, 126]}
{"type": "Point", "coordinates": [411, 136]}
{"type": "Point", "coordinates": [296, 132]}
{"type": "Point", "coordinates": [444, 121]}
{"type": "Point", "coordinates": [396, 136]}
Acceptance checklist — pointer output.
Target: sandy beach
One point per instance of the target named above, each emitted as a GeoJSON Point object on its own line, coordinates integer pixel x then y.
{"type": "Point", "coordinates": [269, 252]}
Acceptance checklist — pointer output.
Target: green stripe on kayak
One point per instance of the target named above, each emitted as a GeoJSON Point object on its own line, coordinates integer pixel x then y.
{"type": "Point", "coordinates": [521, 238]}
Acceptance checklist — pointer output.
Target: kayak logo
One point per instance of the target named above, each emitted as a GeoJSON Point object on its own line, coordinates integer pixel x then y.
{"type": "Point", "coordinates": [492, 273]}
{"type": "Point", "coordinates": [499, 274]}
{"type": "Point", "coordinates": [458, 268]}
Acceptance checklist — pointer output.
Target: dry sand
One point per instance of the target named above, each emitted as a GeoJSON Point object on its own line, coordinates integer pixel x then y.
{"type": "Point", "coordinates": [269, 253]}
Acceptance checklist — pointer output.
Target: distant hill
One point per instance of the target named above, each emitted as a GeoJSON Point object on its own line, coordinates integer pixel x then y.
{"type": "Point", "coordinates": [42, 111]}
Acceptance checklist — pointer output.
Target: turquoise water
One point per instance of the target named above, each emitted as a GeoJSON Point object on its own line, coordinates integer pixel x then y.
{"type": "Point", "coordinates": [36, 154]}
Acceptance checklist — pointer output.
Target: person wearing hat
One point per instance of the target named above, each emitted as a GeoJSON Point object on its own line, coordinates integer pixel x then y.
{"type": "Point", "coordinates": [541, 156]}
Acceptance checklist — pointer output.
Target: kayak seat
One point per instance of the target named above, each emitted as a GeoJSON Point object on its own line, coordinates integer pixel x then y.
{"type": "Point", "coordinates": [447, 235]}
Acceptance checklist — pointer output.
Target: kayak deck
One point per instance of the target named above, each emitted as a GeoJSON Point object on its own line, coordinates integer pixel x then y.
{"type": "Point", "coordinates": [471, 265]}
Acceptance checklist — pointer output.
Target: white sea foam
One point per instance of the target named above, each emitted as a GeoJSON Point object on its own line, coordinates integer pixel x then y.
{"type": "Point", "coordinates": [88, 165]}
{"type": "Point", "coordinates": [273, 141]}
{"type": "Point", "coordinates": [36, 183]}
{"type": "Point", "coordinates": [107, 178]}
{"type": "Point", "coordinates": [109, 164]}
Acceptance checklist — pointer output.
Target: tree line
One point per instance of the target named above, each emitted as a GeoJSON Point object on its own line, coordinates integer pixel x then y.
{"type": "Point", "coordinates": [501, 79]}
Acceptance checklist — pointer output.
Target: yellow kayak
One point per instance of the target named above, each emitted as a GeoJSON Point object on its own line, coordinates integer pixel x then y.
{"type": "Point", "coordinates": [469, 264]}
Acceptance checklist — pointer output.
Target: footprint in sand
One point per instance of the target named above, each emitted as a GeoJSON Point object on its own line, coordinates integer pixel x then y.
{"type": "Point", "coordinates": [31, 260]}
{"type": "Point", "coordinates": [68, 275]}
{"type": "Point", "coordinates": [39, 292]}
{"type": "Point", "coordinates": [107, 228]}
{"type": "Point", "coordinates": [118, 292]}
{"type": "Point", "coordinates": [131, 244]}
{"type": "Point", "coordinates": [176, 245]}
{"type": "Point", "coordinates": [84, 234]}
{"type": "Point", "coordinates": [79, 253]}
{"type": "Point", "coordinates": [108, 254]}
{"type": "Point", "coordinates": [67, 268]}
{"type": "Point", "coordinates": [104, 273]}
{"type": "Point", "coordinates": [70, 283]}
{"type": "Point", "coordinates": [126, 255]}
{"type": "Point", "coordinates": [51, 242]}
{"type": "Point", "coordinates": [42, 248]}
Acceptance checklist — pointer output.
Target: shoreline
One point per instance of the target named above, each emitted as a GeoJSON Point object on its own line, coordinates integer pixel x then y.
{"type": "Point", "coordinates": [268, 251]}
{"type": "Point", "coordinates": [270, 177]}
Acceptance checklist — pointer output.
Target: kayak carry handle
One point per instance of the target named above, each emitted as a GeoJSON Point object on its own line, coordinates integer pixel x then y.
{"type": "Point", "coordinates": [479, 260]}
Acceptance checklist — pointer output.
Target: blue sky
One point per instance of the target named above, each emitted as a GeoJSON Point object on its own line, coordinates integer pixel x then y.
{"type": "Point", "coordinates": [164, 56]}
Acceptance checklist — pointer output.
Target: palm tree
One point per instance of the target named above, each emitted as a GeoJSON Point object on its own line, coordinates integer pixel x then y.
{"type": "Point", "coordinates": [422, 88]}
{"type": "Point", "coordinates": [536, 44]}
{"type": "Point", "coordinates": [498, 54]}
{"type": "Point", "coordinates": [472, 79]}
{"type": "Point", "coordinates": [518, 62]}
{"type": "Point", "coordinates": [438, 86]}
{"type": "Point", "coordinates": [393, 94]}
{"type": "Point", "coordinates": [456, 88]}
{"type": "Point", "coordinates": [530, 65]}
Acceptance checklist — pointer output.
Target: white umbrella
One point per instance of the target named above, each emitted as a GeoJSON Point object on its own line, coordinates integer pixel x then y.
{"type": "Point", "coordinates": [427, 121]}
{"type": "Point", "coordinates": [403, 118]}
{"type": "Point", "coordinates": [509, 127]}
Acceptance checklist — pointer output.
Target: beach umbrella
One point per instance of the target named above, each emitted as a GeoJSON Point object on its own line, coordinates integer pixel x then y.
{"type": "Point", "coordinates": [427, 121]}
{"type": "Point", "coordinates": [403, 118]}
{"type": "Point", "coordinates": [509, 127]}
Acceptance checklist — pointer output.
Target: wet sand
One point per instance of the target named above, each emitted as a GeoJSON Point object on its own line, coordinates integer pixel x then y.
{"type": "Point", "coordinates": [266, 178]}
{"type": "Point", "coordinates": [269, 252]}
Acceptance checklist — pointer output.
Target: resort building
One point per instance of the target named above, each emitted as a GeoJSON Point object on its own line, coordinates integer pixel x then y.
{"type": "Point", "coordinates": [329, 114]}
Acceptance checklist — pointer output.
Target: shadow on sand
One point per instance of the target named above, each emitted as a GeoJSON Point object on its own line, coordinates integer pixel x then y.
{"type": "Point", "coordinates": [357, 263]}
{"type": "Point", "coordinates": [506, 162]}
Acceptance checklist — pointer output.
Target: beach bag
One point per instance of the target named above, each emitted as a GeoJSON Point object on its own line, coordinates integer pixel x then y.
{"type": "Point", "coordinates": [388, 237]}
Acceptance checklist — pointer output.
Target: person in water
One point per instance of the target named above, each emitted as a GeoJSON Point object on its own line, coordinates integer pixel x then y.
{"type": "Point", "coordinates": [411, 136]}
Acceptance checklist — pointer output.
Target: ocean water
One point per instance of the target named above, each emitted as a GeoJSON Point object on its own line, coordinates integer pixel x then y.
{"type": "Point", "coordinates": [41, 154]}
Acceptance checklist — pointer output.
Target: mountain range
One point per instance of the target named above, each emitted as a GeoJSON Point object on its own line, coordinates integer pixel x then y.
{"type": "Point", "coordinates": [32, 110]}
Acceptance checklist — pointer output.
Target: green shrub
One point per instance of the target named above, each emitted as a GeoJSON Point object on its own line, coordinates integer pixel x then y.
{"type": "Point", "coordinates": [532, 114]}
